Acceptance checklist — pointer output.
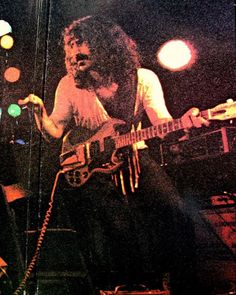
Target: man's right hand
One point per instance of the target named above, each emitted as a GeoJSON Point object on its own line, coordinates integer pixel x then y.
{"type": "Point", "coordinates": [34, 99]}
{"type": "Point", "coordinates": [43, 121]}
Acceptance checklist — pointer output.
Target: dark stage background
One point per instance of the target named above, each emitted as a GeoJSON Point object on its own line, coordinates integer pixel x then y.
{"type": "Point", "coordinates": [38, 52]}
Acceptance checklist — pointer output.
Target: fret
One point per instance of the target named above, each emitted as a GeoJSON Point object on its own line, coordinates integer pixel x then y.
{"type": "Point", "coordinates": [136, 136]}
{"type": "Point", "coordinates": [139, 135]}
{"type": "Point", "coordinates": [156, 130]}
{"type": "Point", "coordinates": [149, 134]}
{"type": "Point", "coordinates": [170, 126]}
{"type": "Point", "coordinates": [143, 133]}
{"type": "Point", "coordinates": [126, 139]}
{"type": "Point", "coordinates": [129, 138]}
{"type": "Point", "coordinates": [118, 142]}
{"type": "Point", "coordinates": [160, 129]}
{"type": "Point", "coordinates": [133, 137]}
{"type": "Point", "coordinates": [121, 141]}
{"type": "Point", "coordinates": [165, 127]}
{"type": "Point", "coordinates": [152, 132]}
{"type": "Point", "coordinates": [146, 134]}
{"type": "Point", "coordinates": [176, 124]}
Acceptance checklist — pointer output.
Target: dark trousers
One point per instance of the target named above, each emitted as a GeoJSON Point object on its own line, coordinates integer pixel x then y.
{"type": "Point", "coordinates": [123, 238]}
{"type": "Point", "coordinates": [119, 239]}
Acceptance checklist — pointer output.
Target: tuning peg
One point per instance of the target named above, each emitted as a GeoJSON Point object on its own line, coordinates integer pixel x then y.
{"type": "Point", "coordinates": [229, 100]}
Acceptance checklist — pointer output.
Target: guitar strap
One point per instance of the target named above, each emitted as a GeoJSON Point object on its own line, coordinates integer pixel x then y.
{"type": "Point", "coordinates": [123, 103]}
{"type": "Point", "coordinates": [123, 108]}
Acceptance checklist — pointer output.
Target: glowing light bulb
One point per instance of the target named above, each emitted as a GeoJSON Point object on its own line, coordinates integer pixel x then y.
{"type": "Point", "coordinates": [7, 42]}
{"type": "Point", "coordinates": [14, 110]}
{"type": "Point", "coordinates": [5, 28]}
{"type": "Point", "coordinates": [12, 74]}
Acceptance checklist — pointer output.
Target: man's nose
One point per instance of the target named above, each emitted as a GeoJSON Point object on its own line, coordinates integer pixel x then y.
{"type": "Point", "coordinates": [83, 65]}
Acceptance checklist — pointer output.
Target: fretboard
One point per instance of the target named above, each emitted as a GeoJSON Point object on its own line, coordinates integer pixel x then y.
{"type": "Point", "coordinates": [148, 133]}
{"type": "Point", "coordinates": [153, 131]}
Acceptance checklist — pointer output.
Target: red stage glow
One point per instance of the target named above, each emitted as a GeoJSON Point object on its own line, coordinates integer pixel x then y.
{"type": "Point", "coordinates": [12, 74]}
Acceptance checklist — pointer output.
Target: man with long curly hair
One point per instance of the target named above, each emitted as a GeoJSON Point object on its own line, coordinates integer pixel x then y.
{"type": "Point", "coordinates": [123, 220]}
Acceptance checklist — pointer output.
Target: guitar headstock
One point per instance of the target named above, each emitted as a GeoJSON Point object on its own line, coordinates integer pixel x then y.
{"type": "Point", "coordinates": [223, 111]}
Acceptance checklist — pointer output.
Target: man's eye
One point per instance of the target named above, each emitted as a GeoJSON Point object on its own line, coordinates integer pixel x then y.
{"type": "Point", "coordinates": [81, 57]}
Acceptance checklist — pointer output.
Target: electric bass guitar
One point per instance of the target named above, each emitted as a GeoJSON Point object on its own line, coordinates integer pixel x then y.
{"type": "Point", "coordinates": [98, 151]}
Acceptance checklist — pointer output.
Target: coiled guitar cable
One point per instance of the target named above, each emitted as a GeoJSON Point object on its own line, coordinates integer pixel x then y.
{"type": "Point", "coordinates": [40, 238]}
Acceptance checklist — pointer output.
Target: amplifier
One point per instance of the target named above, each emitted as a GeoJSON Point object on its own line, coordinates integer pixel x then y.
{"type": "Point", "coordinates": [147, 292]}
{"type": "Point", "coordinates": [140, 290]}
{"type": "Point", "coordinates": [150, 292]}
{"type": "Point", "coordinates": [207, 145]}
{"type": "Point", "coordinates": [223, 221]}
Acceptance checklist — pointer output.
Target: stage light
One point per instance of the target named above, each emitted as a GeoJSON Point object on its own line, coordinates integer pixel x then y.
{"type": "Point", "coordinates": [14, 110]}
{"type": "Point", "coordinates": [20, 141]}
{"type": "Point", "coordinates": [5, 28]}
{"type": "Point", "coordinates": [7, 42]}
{"type": "Point", "coordinates": [176, 55]}
{"type": "Point", "coordinates": [12, 74]}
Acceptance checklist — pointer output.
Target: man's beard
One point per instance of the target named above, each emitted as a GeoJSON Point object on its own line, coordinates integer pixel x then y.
{"type": "Point", "coordinates": [86, 80]}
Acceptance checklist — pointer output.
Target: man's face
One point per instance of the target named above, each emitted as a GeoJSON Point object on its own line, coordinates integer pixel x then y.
{"type": "Point", "coordinates": [79, 57]}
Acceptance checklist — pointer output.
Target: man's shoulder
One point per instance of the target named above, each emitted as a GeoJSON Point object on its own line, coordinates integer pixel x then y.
{"type": "Point", "coordinates": [67, 85]}
{"type": "Point", "coordinates": [146, 74]}
{"type": "Point", "coordinates": [66, 81]}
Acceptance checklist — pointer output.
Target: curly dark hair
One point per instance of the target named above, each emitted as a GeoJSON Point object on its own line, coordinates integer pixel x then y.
{"type": "Point", "coordinates": [114, 52]}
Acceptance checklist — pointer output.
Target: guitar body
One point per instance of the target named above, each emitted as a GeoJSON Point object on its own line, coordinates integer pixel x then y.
{"type": "Point", "coordinates": [85, 152]}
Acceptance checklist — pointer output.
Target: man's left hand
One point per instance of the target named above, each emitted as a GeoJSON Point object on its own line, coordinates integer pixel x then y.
{"type": "Point", "coordinates": [192, 118]}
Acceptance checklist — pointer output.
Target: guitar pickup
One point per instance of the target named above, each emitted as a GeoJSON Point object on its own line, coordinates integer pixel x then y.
{"type": "Point", "coordinates": [95, 148]}
{"type": "Point", "coordinates": [109, 144]}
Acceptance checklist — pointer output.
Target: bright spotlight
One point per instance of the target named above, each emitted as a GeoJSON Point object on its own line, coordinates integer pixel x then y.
{"type": "Point", "coordinates": [5, 28]}
{"type": "Point", "coordinates": [176, 55]}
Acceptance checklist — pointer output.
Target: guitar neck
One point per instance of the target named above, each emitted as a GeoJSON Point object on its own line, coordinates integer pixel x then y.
{"type": "Point", "coordinates": [154, 131]}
